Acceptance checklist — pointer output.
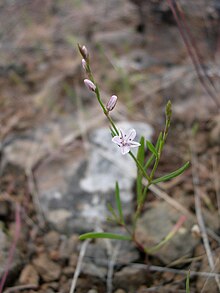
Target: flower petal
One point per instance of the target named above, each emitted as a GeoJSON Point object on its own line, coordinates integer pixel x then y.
{"type": "Point", "coordinates": [117, 139]}
{"type": "Point", "coordinates": [134, 144]}
{"type": "Point", "coordinates": [131, 135]}
{"type": "Point", "coordinates": [125, 149]}
{"type": "Point", "coordinates": [122, 133]}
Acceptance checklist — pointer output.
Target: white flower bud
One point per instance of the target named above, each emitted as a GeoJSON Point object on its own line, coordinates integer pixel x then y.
{"type": "Point", "coordinates": [111, 103]}
{"type": "Point", "coordinates": [90, 85]}
{"type": "Point", "coordinates": [84, 65]}
{"type": "Point", "coordinates": [85, 52]}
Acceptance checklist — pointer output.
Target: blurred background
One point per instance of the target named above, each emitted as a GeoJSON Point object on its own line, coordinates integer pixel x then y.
{"type": "Point", "coordinates": [58, 168]}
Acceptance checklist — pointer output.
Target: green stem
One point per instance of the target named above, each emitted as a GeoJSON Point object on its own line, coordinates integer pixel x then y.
{"type": "Point", "coordinates": [111, 122]}
{"type": "Point", "coordinates": [140, 166]}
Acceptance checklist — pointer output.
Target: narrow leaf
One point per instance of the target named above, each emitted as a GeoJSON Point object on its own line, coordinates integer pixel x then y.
{"type": "Point", "coordinates": [152, 148]}
{"type": "Point", "coordinates": [118, 203]}
{"type": "Point", "coordinates": [172, 174]}
{"type": "Point", "coordinates": [150, 160]}
{"type": "Point", "coordinates": [95, 235]}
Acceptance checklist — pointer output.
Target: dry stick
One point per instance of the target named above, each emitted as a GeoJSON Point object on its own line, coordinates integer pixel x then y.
{"type": "Point", "coordinates": [79, 264]}
{"type": "Point", "coordinates": [198, 210]}
{"type": "Point", "coordinates": [35, 198]}
{"type": "Point", "coordinates": [194, 46]}
{"type": "Point", "coordinates": [216, 183]}
{"type": "Point", "coordinates": [111, 265]}
{"type": "Point", "coordinates": [174, 271]}
{"type": "Point", "coordinates": [206, 281]}
{"type": "Point", "coordinates": [13, 246]}
{"type": "Point", "coordinates": [192, 54]}
{"type": "Point", "coordinates": [21, 287]}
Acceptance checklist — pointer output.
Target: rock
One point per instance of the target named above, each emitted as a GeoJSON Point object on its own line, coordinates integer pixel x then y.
{"type": "Point", "coordinates": [120, 291]}
{"type": "Point", "coordinates": [26, 149]}
{"type": "Point", "coordinates": [130, 278]}
{"type": "Point", "coordinates": [99, 254]}
{"type": "Point", "coordinates": [51, 240]}
{"type": "Point", "coordinates": [47, 269]}
{"type": "Point", "coordinates": [77, 191]}
{"type": "Point", "coordinates": [68, 246]}
{"type": "Point", "coordinates": [156, 223]}
{"type": "Point", "coordinates": [29, 276]}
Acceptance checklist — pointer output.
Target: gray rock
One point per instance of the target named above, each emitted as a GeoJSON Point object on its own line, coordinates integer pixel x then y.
{"type": "Point", "coordinates": [75, 195]}
{"type": "Point", "coordinates": [51, 240]}
{"type": "Point", "coordinates": [130, 278]}
{"type": "Point", "coordinates": [27, 149]}
{"type": "Point", "coordinates": [154, 226]}
{"type": "Point", "coordinates": [98, 256]}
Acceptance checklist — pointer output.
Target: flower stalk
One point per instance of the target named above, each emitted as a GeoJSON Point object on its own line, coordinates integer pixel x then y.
{"type": "Point", "coordinates": [125, 142]}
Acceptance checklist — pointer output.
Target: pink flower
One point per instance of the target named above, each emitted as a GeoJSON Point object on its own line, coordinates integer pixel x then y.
{"type": "Point", "coordinates": [111, 103]}
{"type": "Point", "coordinates": [125, 141]}
{"type": "Point", "coordinates": [89, 84]}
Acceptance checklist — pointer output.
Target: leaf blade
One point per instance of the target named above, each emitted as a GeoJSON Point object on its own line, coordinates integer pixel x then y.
{"type": "Point", "coordinates": [105, 235]}
{"type": "Point", "coordinates": [172, 174]}
{"type": "Point", "coordinates": [152, 148]}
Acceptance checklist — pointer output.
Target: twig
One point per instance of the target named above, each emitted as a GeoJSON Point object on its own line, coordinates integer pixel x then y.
{"type": "Point", "coordinates": [111, 265]}
{"type": "Point", "coordinates": [216, 183]}
{"type": "Point", "coordinates": [174, 271]}
{"type": "Point", "coordinates": [79, 265]}
{"type": "Point", "coordinates": [206, 281]}
{"type": "Point", "coordinates": [192, 50]}
{"type": "Point", "coordinates": [13, 246]}
{"type": "Point", "coordinates": [21, 287]}
{"type": "Point", "coordinates": [35, 197]}
{"type": "Point", "coordinates": [198, 210]}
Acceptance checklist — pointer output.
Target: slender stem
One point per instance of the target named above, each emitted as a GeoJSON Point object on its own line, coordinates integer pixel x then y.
{"type": "Point", "coordinates": [112, 123]}
{"type": "Point", "coordinates": [140, 166]}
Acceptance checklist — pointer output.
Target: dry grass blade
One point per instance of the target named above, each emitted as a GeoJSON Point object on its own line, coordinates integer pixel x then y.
{"type": "Point", "coordinates": [79, 265]}
{"type": "Point", "coordinates": [20, 288]}
{"type": "Point", "coordinates": [192, 50]}
{"type": "Point", "coordinates": [198, 209]}
{"type": "Point", "coordinates": [111, 265]}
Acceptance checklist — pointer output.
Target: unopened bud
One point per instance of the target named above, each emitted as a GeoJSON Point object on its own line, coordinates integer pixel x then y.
{"type": "Point", "coordinates": [84, 65]}
{"type": "Point", "coordinates": [111, 103]}
{"type": "Point", "coordinates": [84, 52]}
{"type": "Point", "coordinates": [90, 85]}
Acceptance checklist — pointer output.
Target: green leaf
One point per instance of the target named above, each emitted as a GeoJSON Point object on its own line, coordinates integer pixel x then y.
{"type": "Point", "coordinates": [118, 203]}
{"type": "Point", "coordinates": [187, 282]}
{"type": "Point", "coordinates": [172, 174]}
{"type": "Point", "coordinates": [95, 235]}
{"type": "Point", "coordinates": [140, 158]}
{"type": "Point", "coordinates": [152, 148]}
{"type": "Point", "coordinates": [150, 160]}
